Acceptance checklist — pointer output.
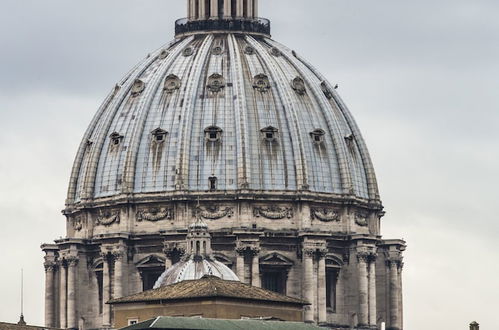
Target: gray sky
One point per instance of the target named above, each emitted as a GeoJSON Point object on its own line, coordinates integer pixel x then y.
{"type": "Point", "coordinates": [420, 77]}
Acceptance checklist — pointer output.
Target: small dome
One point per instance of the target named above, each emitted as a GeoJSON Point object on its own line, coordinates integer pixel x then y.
{"type": "Point", "coordinates": [195, 268]}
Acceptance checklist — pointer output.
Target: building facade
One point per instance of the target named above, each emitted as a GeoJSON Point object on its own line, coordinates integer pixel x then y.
{"type": "Point", "coordinates": [227, 124]}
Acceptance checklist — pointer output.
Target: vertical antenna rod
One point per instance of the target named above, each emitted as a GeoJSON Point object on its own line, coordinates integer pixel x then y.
{"type": "Point", "coordinates": [21, 318]}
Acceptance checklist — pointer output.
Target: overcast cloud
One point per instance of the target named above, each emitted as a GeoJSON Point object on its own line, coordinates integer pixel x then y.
{"type": "Point", "coordinates": [421, 78]}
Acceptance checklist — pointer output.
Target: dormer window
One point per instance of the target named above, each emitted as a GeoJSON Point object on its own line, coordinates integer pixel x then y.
{"type": "Point", "coordinates": [213, 134]}
{"type": "Point", "coordinates": [269, 133]}
{"type": "Point", "coordinates": [213, 183]}
{"type": "Point", "coordinates": [318, 136]}
{"type": "Point", "coordinates": [159, 135]}
{"type": "Point", "coordinates": [116, 138]}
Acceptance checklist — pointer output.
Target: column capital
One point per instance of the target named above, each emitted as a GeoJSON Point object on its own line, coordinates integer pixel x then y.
{"type": "Point", "coordinates": [72, 261]}
{"type": "Point", "coordinates": [254, 250]}
{"type": "Point", "coordinates": [50, 265]}
{"type": "Point", "coordinates": [309, 252]}
{"type": "Point", "coordinates": [395, 260]}
{"type": "Point", "coordinates": [363, 256]}
{"type": "Point", "coordinates": [322, 253]}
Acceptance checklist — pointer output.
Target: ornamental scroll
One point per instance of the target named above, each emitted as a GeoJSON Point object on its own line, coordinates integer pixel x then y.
{"type": "Point", "coordinates": [107, 218]}
{"type": "Point", "coordinates": [215, 212]}
{"type": "Point", "coordinates": [361, 219]}
{"type": "Point", "coordinates": [273, 212]}
{"type": "Point", "coordinates": [325, 214]}
{"type": "Point", "coordinates": [155, 214]}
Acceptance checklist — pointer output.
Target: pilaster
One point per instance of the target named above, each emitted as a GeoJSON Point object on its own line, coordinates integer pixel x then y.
{"type": "Point", "coordinates": [72, 262]}
{"type": "Point", "coordinates": [50, 267]}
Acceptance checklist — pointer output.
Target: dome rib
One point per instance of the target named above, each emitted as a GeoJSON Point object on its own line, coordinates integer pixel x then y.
{"type": "Point", "coordinates": [154, 85]}
{"type": "Point", "coordinates": [187, 113]}
{"type": "Point", "coordinates": [288, 102]}
{"type": "Point", "coordinates": [338, 102]}
{"type": "Point", "coordinates": [244, 170]}
{"type": "Point", "coordinates": [91, 172]}
{"type": "Point", "coordinates": [334, 128]}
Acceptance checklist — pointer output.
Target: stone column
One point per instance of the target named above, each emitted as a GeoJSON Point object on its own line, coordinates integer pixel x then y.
{"type": "Point", "coordinates": [249, 8]}
{"type": "Point", "coordinates": [240, 264]}
{"type": "Point", "coordinates": [50, 294]}
{"type": "Point", "coordinates": [106, 292]}
{"type": "Point", "coordinates": [362, 259]}
{"type": "Point", "coordinates": [72, 319]}
{"type": "Point", "coordinates": [372, 291]}
{"type": "Point", "coordinates": [321, 287]}
{"type": "Point", "coordinates": [308, 283]}
{"type": "Point", "coordinates": [255, 8]}
{"type": "Point", "coordinates": [239, 8]}
{"type": "Point", "coordinates": [401, 300]}
{"type": "Point", "coordinates": [118, 274]}
{"type": "Point", "coordinates": [394, 294]}
{"type": "Point", "coordinates": [227, 8]}
{"type": "Point", "coordinates": [214, 9]}
{"type": "Point", "coordinates": [255, 268]}
{"type": "Point", "coordinates": [62, 295]}
{"type": "Point", "coordinates": [202, 10]}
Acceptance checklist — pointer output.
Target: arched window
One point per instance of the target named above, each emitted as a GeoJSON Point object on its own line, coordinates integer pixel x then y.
{"type": "Point", "coordinates": [150, 269]}
{"type": "Point", "coordinates": [333, 268]}
{"type": "Point", "coordinates": [213, 134]}
{"type": "Point", "coordinates": [318, 136]}
{"type": "Point", "coordinates": [213, 183]}
{"type": "Point", "coordinates": [274, 269]}
{"type": "Point", "coordinates": [269, 133]}
{"type": "Point", "coordinates": [100, 284]}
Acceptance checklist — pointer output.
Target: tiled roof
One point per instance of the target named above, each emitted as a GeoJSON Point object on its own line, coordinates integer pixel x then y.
{"type": "Point", "coordinates": [13, 326]}
{"type": "Point", "coordinates": [208, 287]}
{"type": "Point", "coordinates": [209, 324]}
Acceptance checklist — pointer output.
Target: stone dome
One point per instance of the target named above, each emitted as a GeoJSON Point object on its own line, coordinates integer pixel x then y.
{"type": "Point", "coordinates": [198, 261]}
{"type": "Point", "coordinates": [195, 268]}
{"type": "Point", "coordinates": [226, 112]}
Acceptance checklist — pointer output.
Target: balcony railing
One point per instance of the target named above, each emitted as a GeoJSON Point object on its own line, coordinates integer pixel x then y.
{"type": "Point", "coordinates": [253, 25]}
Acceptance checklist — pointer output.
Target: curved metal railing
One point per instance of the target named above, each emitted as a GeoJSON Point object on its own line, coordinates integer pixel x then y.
{"type": "Point", "coordinates": [252, 25]}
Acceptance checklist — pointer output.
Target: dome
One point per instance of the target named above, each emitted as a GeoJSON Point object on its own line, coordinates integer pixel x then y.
{"type": "Point", "coordinates": [222, 111]}
{"type": "Point", "coordinates": [198, 262]}
{"type": "Point", "coordinates": [195, 268]}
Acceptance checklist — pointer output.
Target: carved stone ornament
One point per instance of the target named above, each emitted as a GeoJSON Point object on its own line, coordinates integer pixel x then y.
{"type": "Point", "coordinates": [298, 84]}
{"type": "Point", "coordinates": [155, 214]}
{"type": "Point", "coordinates": [107, 218]}
{"type": "Point", "coordinates": [248, 50]}
{"type": "Point", "coordinates": [138, 87]}
{"type": "Point", "coordinates": [215, 83]}
{"type": "Point", "coordinates": [273, 212]}
{"type": "Point", "coordinates": [78, 222]}
{"type": "Point", "coordinates": [164, 54]}
{"type": "Point", "coordinates": [275, 52]}
{"type": "Point", "coordinates": [325, 214]}
{"type": "Point", "coordinates": [172, 83]}
{"type": "Point", "coordinates": [215, 212]}
{"type": "Point", "coordinates": [261, 83]}
{"type": "Point", "coordinates": [361, 219]}
{"type": "Point", "coordinates": [217, 50]}
{"type": "Point", "coordinates": [327, 92]}
{"type": "Point", "coordinates": [188, 51]}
